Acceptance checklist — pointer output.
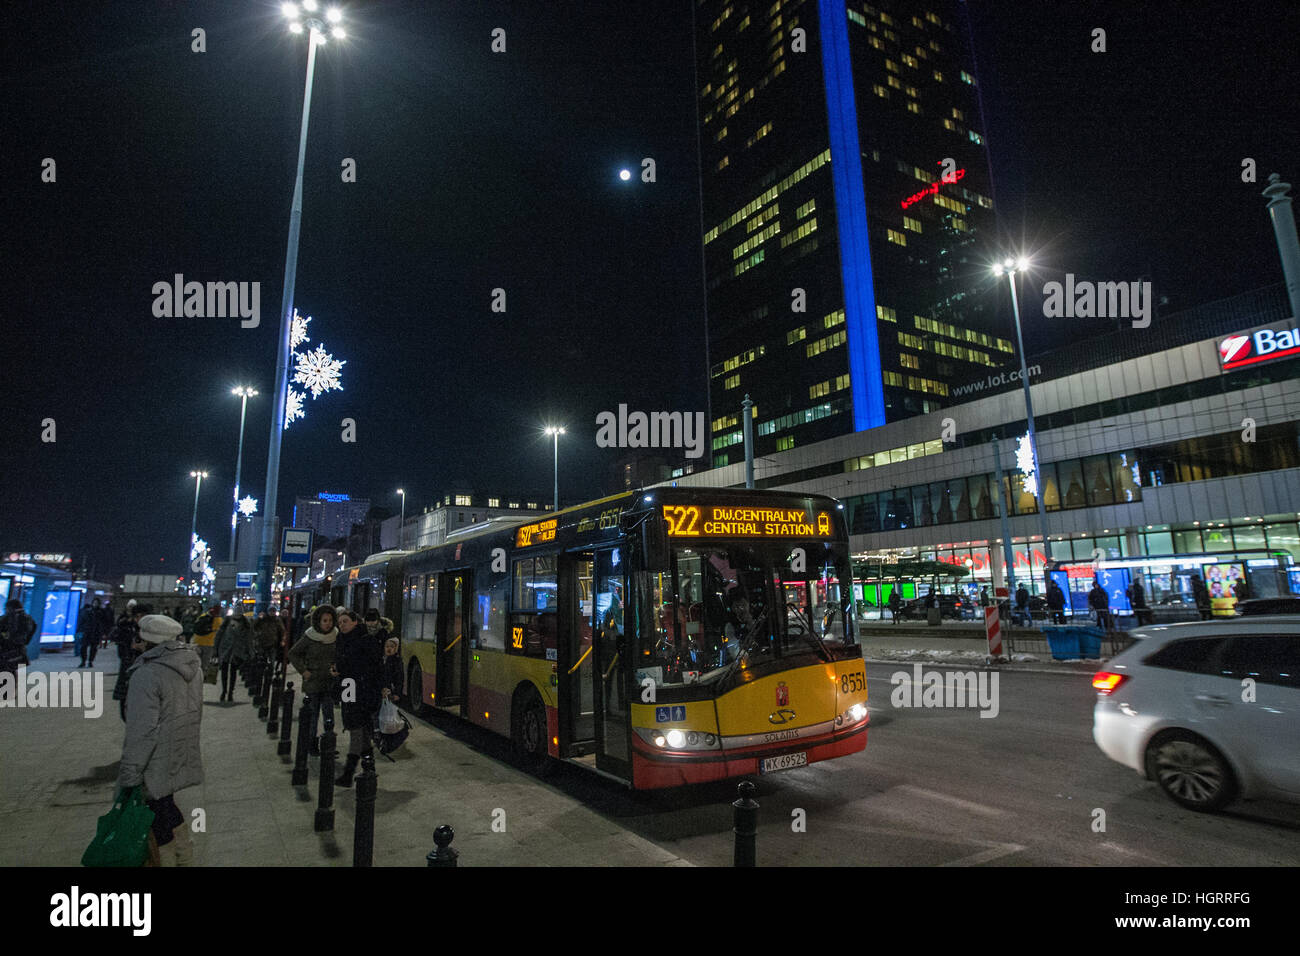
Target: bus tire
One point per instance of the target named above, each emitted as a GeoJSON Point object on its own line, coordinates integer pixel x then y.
{"type": "Point", "coordinates": [415, 702]}
{"type": "Point", "coordinates": [528, 731]}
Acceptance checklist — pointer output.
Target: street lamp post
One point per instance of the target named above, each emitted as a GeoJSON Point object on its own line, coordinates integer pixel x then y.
{"type": "Point", "coordinates": [1010, 267]}
{"type": "Point", "coordinates": [198, 477]}
{"type": "Point", "coordinates": [316, 36]}
{"type": "Point", "coordinates": [401, 528]}
{"type": "Point", "coordinates": [556, 432]}
{"type": "Point", "coordinates": [245, 393]}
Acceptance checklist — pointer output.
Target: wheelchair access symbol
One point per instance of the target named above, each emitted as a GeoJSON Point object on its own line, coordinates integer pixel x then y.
{"type": "Point", "coordinates": [665, 715]}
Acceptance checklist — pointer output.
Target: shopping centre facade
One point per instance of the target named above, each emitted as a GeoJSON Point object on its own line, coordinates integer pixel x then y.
{"type": "Point", "coordinates": [1166, 452]}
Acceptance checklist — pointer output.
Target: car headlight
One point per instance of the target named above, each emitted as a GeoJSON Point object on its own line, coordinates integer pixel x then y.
{"type": "Point", "coordinates": [676, 738]}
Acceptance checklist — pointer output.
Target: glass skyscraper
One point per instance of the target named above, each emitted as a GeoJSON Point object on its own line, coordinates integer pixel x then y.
{"type": "Point", "coordinates": [847, 215]}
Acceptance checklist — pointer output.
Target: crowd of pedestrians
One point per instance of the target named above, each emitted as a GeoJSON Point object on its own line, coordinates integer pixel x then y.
{"type": "Point", "coordinates": [353, 661]}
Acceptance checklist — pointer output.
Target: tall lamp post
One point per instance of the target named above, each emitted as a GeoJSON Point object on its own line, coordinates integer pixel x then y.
{"type": "Point", "coordinates": [401, 528]}
{"type": "Point", "coordinates": [556, 431]}
{"type": "Point", "coordinates": [1009, 268]}
{"type": "Point", "coordinates": [316, 30]}
{"type": "Point", "coordinates": [244, 392]}
{"type": "Point", "coordinates": [198, 477]}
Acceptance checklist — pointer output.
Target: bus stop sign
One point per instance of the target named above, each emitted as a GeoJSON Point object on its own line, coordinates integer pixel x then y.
{"type": "Point", "coordinates": [295, 547]}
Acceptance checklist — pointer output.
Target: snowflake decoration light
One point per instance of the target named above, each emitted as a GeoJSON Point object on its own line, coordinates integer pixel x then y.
{"type": "Point", "coordinates": [318, 371]}
{"type": "Point", "coordinates": [292, 406]}
{"type": "Point", "coordinates": [248, 506]}
{"type": "Point", "coordinates": [298, 336]}
{"type": "Point", "coordinates": [1025, 462]}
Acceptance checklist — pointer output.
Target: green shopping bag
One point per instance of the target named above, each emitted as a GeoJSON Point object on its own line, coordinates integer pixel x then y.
{"type": "Point", "coordinates": [122, 834]}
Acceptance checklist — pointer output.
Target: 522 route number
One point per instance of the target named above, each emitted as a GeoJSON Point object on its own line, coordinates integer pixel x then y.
{"type": "Point", "coordinates": [852, 682]}
{"type": "Point", "coordinates": [683, 520]}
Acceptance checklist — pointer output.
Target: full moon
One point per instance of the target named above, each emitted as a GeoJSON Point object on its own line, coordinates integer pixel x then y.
{"type": "Point", "coordinates": [624, 175]}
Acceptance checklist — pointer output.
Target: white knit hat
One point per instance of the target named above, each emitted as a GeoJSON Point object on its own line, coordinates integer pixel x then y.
{"type": "Point", "coordinates": [159, 628]}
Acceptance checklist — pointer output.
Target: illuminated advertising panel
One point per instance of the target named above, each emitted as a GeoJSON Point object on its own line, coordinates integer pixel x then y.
{"type": "Point", "coordinates": [539, 532]}
{"type": "Point", "coordinates": [1262, 345]}
{"type": "Point", "coordinates": [731, 521]}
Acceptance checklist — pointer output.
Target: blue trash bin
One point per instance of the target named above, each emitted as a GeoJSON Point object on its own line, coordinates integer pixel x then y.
{"type": "Point", "coordinates": [1090, 639]}
{"type": "Point", "coordinates": [1063, 641]}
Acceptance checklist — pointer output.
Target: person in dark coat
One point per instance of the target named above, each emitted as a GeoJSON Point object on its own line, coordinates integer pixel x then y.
{"type": "Point", "coordinates": [125, 635]}
{"type": "Point", "coordinates": [1056, 602]}
{"type": "Point", "coordinates": [234, 649]}
{"type": "Point", "coordinates": [895, 604]}
{"type": "Point", "coordinates": [1022, 606]}
{"type": "Point", "coordinates": [1099, 602]}
{"type": "Point", "coordinates": [1137, 598]}
{"type": "Point", "coordinates": [107, 621]}
{"type": "Point", "coordinates": [359, 662]}
{"type": "Point", "coordinates": [16, 630]}
{"type": "Point", "coordinates": [1201, 595]}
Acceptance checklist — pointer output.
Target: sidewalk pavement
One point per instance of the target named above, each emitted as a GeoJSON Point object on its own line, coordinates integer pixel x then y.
{"type": "Point", "coordinates": [58, 770]}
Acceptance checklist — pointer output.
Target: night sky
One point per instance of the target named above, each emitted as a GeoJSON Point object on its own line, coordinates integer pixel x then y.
{"type": "Point", "coordinates": [477, 171]}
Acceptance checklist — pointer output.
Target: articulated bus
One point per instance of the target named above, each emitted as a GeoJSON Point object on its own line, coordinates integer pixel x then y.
{"type": "Point", "coordinates": [661, 637]}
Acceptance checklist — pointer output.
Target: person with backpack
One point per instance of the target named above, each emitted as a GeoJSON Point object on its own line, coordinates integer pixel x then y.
{"type": "Point", "coordinates": [205, 634]}
{"type": "Point", "coordinates": [161, 750]}
{"type": "Point", "coordinates": [234, 649]}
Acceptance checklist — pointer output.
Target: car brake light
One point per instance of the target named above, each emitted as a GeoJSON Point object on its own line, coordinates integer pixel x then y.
{"type": "Point", "coordinates": [1104, 681]}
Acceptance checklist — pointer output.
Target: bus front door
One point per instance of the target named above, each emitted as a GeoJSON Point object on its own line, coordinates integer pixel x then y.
{"type": "Point", "coordinates": [453, 624]}
{"type": "Point", "coordinates": [609, 670]}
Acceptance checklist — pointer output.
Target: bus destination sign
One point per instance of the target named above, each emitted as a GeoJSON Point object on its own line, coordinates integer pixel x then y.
{"type": "Point", "coordinates": [536, 533]}
{"type": "Point", "coordinates": [692, 521]}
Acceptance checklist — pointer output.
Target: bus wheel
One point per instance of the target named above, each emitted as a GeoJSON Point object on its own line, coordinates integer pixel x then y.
{"type": "Point", "coordinates": [415, 702]}
{"type": "Point", "coordinates": [528, 731]}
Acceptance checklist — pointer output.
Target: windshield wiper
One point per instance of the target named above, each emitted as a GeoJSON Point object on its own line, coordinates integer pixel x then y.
{"type": "Point", "coordinates": [809, 633]}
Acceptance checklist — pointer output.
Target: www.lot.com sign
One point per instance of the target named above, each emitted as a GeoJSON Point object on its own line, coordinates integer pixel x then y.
{"type": "Point", "coordinates": [1262, 345]}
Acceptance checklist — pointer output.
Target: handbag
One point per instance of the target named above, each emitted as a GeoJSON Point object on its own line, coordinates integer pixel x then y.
{"type": "Point", "coordinates": [210, 672]}
{"type": "Point", "coordinates": [122, 834]}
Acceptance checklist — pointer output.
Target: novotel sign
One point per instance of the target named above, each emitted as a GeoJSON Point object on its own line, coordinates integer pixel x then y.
{"type": "Point", "coordinates": [1263, 345]}
{"type": "Point", "coordinates": [933, 188]}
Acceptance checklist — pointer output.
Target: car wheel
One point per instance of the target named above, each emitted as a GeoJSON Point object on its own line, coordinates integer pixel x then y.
{"type": "Point", "coordinates": [1191, 771]}
{"type": "Point", "coordinates": [528, 732]}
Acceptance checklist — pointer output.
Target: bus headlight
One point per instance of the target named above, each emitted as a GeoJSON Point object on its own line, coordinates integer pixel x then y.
{"type": "Point", "coordinates": [676, 738]}
{"type": "Point", "coordinates": [659, 740]}
{"type": "Point", "coordinates": [858, 711]}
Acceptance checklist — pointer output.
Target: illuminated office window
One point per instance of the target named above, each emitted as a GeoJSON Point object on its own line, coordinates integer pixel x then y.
{"type": "Point", "coordinates": [896, 237]}
{"type": "Point", "coordinates": [886, 314]}
{"type": "Point", "coordinates": [907, 360]}
{"type": "Point", "coordinates": [796, 335]}
{"type": "Point", "coordinates": [912, 224]}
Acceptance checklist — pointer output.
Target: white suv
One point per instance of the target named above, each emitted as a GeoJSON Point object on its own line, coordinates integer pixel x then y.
{"type": "Point", "coordinates": [1209, 710]}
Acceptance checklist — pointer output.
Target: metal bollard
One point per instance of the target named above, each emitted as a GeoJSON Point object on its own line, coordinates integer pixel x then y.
{"type": "Point", "coordinates": [745, 824]}
{"type": "Point", "coordinates": [286, 722]}
{"type": "Point", "coordinates": [306, 733]}
{"type": "Point", "coordinates": [325, 801]}
{"type": "Point", "coordinates": [273, 712]}
{"type": "Point", "coordinates": [263, 686]}
{"type": "Point", "coordinates": [363, 833]}
{"type": "Point", "coordinates": [442, 854]}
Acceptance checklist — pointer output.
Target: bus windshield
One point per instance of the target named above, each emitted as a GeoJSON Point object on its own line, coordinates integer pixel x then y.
{"type": "Point", "coordinates": [719, 602]}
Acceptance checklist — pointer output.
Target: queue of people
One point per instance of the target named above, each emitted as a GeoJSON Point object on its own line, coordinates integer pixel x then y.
{"type": "Point", "coordinates": [351, 660]}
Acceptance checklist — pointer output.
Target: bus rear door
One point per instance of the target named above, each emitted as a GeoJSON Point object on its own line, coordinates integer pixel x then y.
{"type": "Point", "coordinates": [452, 665]}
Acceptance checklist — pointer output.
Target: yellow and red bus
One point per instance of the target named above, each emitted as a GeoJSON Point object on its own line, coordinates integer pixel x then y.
{"type": "Point", "coordinates": [660, 637]}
